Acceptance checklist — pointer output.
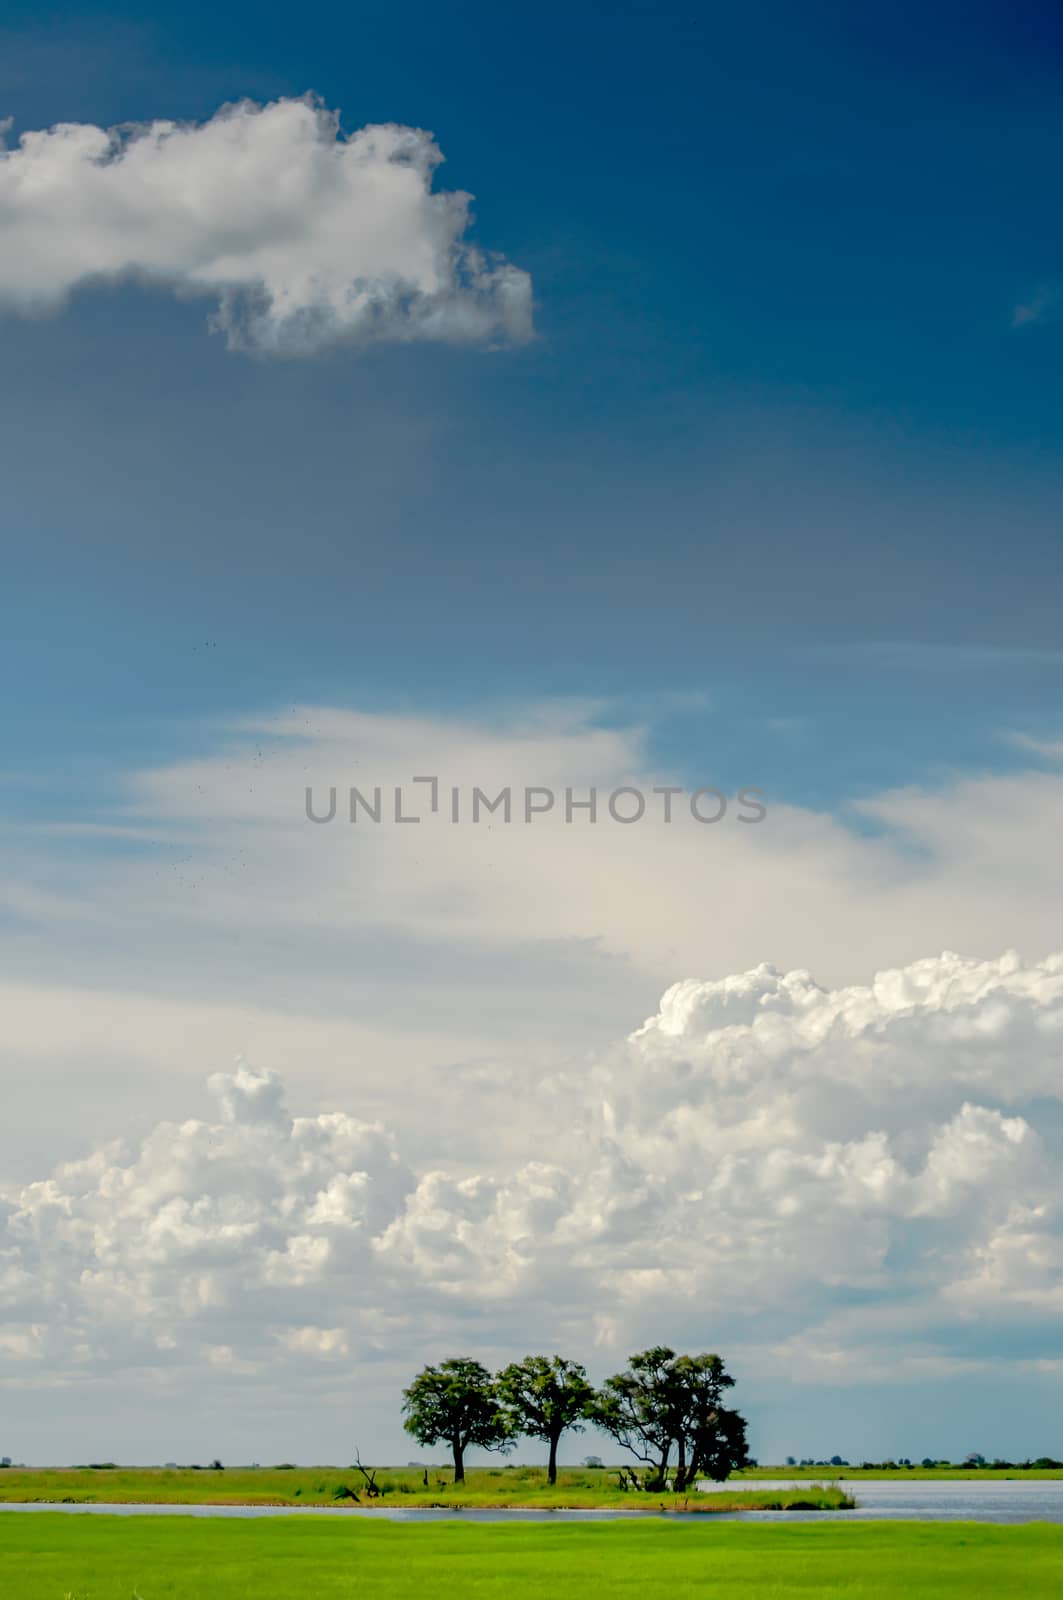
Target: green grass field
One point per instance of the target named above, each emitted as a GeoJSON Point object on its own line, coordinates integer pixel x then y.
{"type": "Point", "coordinates": [308, 1486]}
{"type": "Point", "coordinates": [51, 1556]}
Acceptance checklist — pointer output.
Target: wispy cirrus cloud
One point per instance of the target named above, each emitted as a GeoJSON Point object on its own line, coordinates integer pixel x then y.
{"type": "Point", "coordinates": [1038, 308]}
{"type": "Point", "coordinates": [212, 905]}
{"type": "Point", "coordinates": [304, 237]}
{"type": "Point", "coordinates": [1047, 749]}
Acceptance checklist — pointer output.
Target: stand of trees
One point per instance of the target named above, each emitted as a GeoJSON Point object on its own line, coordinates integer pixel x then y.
{"type": "Point", "coordinates": [662, 1406]}
{"type": "Point", "coordinates": [455, 1404]}
{"type": "Point", "coordinates": [665, 1402]}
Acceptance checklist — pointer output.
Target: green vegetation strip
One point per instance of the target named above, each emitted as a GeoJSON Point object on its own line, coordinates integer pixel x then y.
{"type": "Point", "coordinates": [49, 1556]}
{"type": "Point", "coordinates": [582, 1489]}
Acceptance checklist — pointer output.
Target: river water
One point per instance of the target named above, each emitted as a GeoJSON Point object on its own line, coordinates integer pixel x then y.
{"type": "Point", "coordinates": [879, 1499]}
{"type": "Point", "coordinates": [933, 1500]}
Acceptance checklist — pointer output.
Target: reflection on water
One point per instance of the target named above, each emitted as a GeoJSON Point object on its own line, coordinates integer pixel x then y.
{"type": "Point", "coordinates": [919, 1499]}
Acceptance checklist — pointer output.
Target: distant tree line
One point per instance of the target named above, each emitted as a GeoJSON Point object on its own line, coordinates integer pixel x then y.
{"type": "Point", "coordinates": [664, 1406]}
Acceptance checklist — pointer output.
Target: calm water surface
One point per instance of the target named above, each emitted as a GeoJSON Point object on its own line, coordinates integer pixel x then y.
{"type": "Point", "coordinates": [933, 1500]}
{"type": "Point", "coordinates": [920, 1500]}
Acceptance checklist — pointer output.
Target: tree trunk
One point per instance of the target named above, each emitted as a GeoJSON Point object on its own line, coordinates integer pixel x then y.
{"type": "Point", "coordinates": [459, 1461]}
{"type": "Point", "coordinates": [681, 1467]}
{"type": "Point", "coordinates": [551, 1471]}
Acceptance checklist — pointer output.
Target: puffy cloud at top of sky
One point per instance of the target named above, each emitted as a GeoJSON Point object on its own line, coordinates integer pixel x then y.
{"type": "Point", "coordinates": [762, 1151]}
{"type": "Point", "coordinates": [304, 237]}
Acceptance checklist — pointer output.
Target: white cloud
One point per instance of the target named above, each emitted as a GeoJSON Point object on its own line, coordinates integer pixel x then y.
{"type": "Point", "coordinates": [969, 863]}
{"type": "Point", "coordinates": [1047, 749]}
{"type": "Point", "coordinates": [326, 1344]}
{"type": "Point", "coordinates": [209, 1226]}
{"type": "Point", "coordinates": [798, 1170]}
{"type": "Point", "coordinates": [1020, 1264]}
{"type": "Point", "coordinates": [302, 236]}
{"type": "Point", "coordinates": [758, 1153]}
{"type": "Point", "coordinates": [213, 920]}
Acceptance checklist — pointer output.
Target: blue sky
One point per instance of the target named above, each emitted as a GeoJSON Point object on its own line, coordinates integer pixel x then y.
{"type": "Point", "coordinates": [777, 411]}
{"type": "Point", "coordinates": [773, 496]}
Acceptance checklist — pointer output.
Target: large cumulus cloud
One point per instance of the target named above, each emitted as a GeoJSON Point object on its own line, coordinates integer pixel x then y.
{"type": "Point", "coordinates": [302, 236]}
{"type": "Point", "coordinates": [761, 1150]}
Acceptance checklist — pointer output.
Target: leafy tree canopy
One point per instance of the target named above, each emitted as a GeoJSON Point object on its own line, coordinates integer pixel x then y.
{"type": "Point", "coordinates": [666, 1402]}
{"type": "Point", "coordinates": [545, 1397]}
{"type": "Point", "coordinates": [455, 1403]}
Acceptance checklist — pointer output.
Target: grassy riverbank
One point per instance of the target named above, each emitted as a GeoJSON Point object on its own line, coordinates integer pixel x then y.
{"type": "Point", "coordinates": [334, 1486]}
{"type": "Point", "coordinates": [47, 1556]}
